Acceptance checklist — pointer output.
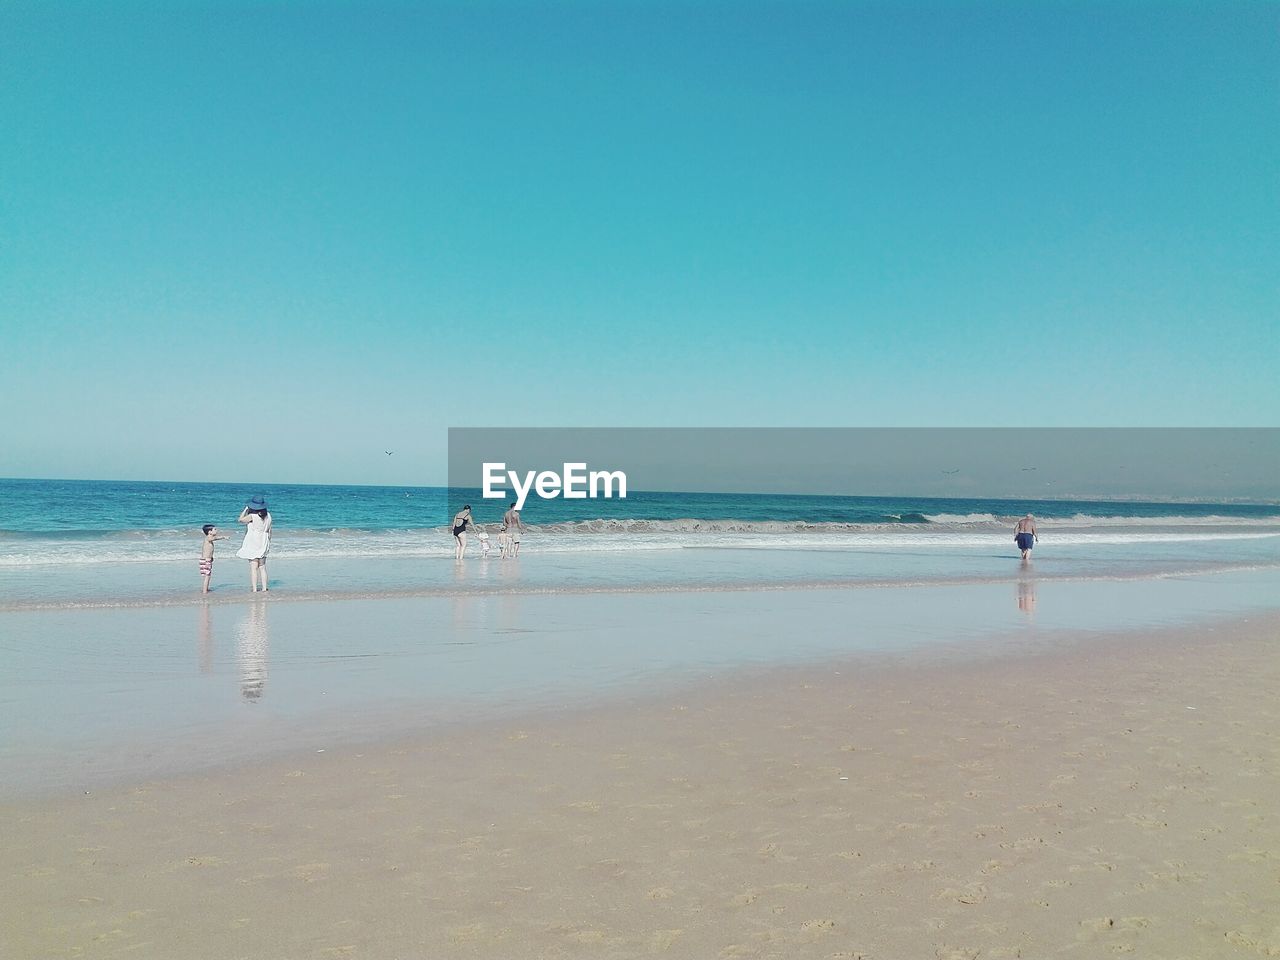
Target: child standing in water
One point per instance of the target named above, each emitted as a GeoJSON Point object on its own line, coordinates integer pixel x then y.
{"type": "Point", "coordinates": [211, 536]}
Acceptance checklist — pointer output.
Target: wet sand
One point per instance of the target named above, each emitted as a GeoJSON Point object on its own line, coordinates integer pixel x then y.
{"type": "Point", "coordinates": [1113, 794]}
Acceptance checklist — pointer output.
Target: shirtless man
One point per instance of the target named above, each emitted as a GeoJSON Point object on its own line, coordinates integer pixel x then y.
{"type": "Point", "coordinates": [511, 519]}
{"type": "Point", "coordinates": [1024, 535]}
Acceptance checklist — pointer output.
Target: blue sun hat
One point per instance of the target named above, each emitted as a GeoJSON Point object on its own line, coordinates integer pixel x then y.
{"type": "Point", "coordinates": [257, 503]}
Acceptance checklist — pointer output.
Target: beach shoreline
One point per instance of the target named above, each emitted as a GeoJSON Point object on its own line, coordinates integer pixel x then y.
{"type": "Point", "coordinates": [1110, 792]}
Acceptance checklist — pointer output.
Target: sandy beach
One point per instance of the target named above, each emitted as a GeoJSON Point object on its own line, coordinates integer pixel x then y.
{"type": "Point", "coordinates": [1114, 793]}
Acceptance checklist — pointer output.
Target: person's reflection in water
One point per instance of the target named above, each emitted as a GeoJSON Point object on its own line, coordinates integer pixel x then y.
{"type": "Point", "coordinates": [1027, 597]}
{"type": "Point", "coordinates": [206, 640]}
{"type": "Point", "coordinates": [460, 603]}
{"type": "Point", "coordinates": [251, 651]}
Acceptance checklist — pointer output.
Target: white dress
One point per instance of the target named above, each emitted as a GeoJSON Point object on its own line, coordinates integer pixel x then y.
{"type": "Point", "coordinates": [257, 538]}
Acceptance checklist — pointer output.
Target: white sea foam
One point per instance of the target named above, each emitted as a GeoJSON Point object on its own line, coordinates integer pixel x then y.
{"type": "Point", "coordinates": [960, 519]}
{"type": "Point", "coordinates": [619, 537]}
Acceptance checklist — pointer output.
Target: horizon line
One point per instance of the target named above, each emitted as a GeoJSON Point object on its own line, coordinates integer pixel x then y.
{"type": "Point", "coordinates": [1009, 497]}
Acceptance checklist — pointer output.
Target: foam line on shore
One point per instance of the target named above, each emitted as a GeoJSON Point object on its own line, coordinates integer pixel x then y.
{"type": "Point", "coordinates": [222, 598]}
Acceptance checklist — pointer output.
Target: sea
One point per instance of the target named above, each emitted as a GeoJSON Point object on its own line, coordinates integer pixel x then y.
{"type": "Point", "coordinates": [67, 543]}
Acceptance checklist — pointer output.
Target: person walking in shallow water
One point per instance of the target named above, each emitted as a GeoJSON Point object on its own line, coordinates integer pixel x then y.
{"type": "Point", "coordinates": [515, 528]}
{"type": "Point", "coordinates": [257, 541]}
{"type": "Point", "coordinates": [461, 521]}
{"type": "Point", "coordinates": [1024, 535]}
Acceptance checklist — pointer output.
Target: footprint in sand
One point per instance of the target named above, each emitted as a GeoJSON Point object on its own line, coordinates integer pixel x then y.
{"type": "Point", "coordinates": [1095, 926]}
{"type": "Point", "coordinates": [972, 893]}
{"type": "Point", "coordinates": [664, 940]}
{"type": "Point", "coordinates": [575, 934]}
{"type": "Point", "coordinates": [1251, 938]}
{"type": "Point", "coordinates": [1098, 924]}
{"type": "Point", "coordinates": [1178, 876]}
{"type": "Point", "coordinates": [1023, 843]}
{"type": "Point", "coordinates": [311, 872]}
{"type": "Point", "coordinates": [468, 934]}
{"type": "Point", "coordinates": [1147, 823]}
{"type": "Point", "coordinates": [812, 930]}
{"type": "Point", "coordinates": [1252, 855]}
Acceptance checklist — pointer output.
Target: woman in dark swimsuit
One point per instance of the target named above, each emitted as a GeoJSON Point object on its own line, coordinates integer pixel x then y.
{"type": "Point", "coordinates": [461, 520]}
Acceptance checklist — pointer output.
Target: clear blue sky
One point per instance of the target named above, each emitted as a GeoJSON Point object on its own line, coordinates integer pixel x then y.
{"type": "Point", "coordinates": [269, 240]}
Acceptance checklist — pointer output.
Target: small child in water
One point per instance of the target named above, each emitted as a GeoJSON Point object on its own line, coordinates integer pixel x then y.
{"type": "Point", "coordinates": [211, 536]}
{"type": "Point", "coordinates": [484, 544]}
{"type": "Point", "coordinates": [504, 542]}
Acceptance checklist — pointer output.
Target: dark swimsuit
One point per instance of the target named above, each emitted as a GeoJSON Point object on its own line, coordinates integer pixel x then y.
{"type": "Point", "coordinates": [460, 528]}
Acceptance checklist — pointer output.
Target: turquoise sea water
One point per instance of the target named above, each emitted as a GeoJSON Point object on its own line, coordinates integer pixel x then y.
{"type": "Point", "coordinates": [67, 543]}
{"type": "Point", "coordinates": [105, 509]}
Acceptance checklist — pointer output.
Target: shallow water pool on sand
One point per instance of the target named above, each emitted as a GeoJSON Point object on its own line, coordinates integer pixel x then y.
{"type": "Point", "coordinates": [91, 696]}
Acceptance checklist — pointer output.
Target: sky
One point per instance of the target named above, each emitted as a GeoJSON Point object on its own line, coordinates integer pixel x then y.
{"type": "Point", "coordinates": [270, 241]}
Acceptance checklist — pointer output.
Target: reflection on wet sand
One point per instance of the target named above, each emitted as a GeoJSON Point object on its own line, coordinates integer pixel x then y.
{"type": "Point", "coordinates": [460, 605]}
{"type": "Point", "coordinates": [470, 610]}
{"type": "Point", "coordinates": [206, 639]}
{"type": "Point", "coordinates": [1027, 597]}
{"type": "Point", "coordinates": [251, 651]}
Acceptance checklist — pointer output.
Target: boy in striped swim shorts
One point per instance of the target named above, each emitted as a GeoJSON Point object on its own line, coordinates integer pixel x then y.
{"type": "Point", "coordinates": [211, 536]}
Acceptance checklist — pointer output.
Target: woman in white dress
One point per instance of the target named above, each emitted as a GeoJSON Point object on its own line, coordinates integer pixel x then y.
{"type": "Point", "coordinates": [257, 541]}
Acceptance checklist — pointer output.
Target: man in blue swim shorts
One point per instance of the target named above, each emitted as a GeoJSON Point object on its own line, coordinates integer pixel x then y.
{"type": "Point", "coordinates": [1024, 535]}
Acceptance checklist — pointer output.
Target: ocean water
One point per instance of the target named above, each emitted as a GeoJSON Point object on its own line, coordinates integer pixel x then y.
{"type": "Point", "coordinates": [68, 543]}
